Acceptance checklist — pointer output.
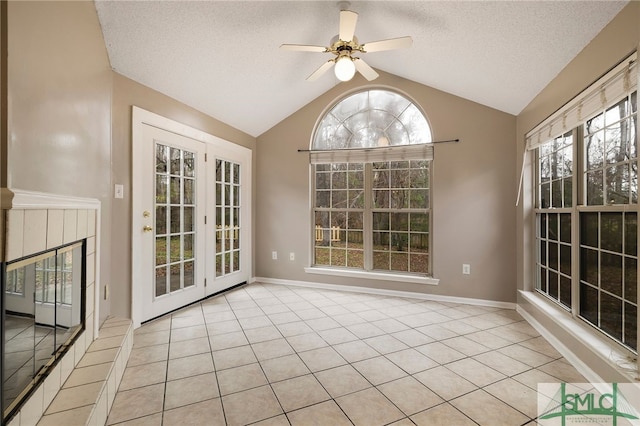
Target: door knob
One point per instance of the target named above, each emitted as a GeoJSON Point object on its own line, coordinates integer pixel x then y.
{"type": "Point", "coordinates": [147, 228]}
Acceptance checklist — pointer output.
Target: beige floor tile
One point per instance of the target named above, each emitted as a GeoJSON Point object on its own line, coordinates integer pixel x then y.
{"type": "Point", "coordinates": [526, 355]}
{"type": "Point", "coordinates": [299, 392]}
{"type": "Point", "coordinates": [502, 363]}
{"type": "Point", "coordinates": [207, 412]}
{"type": "Point", "coordinates": [356, 351]}
{"type": "Point", "coordinates": [114, 331]}
{"type": "Point", "coordinates": [369, 407]}
{"type": "Point", "coordinates": [152, 338]}
{"type": "Point", "coordinates": [517, 395]}
{"type": "Point", "coordinates": [234, 357]}
{"type": "Point", "coordinates": [475, 372]}
{"type": "Point", "coordinates": [325, 413]}
{"type": "Point", "coordinates": [144, 375]}
{"type": "Point", "coordinates": [75, 397]}
{"type": "Point", "coordinates": [152, 420]}
{"type": "Point", "coordinates": [188, 333]}
{"type": "Point", "coordinates": [242, 378]}
{"type": "Point", "coordinates": [160, 324]}
{"type": "Point", "coordinates": [189, 366]}
{"type": "Point", "coordinates": [324, 323]}
{"type": "Point", "coordinates": [445, 382]}
{"type": "Point", "coordinates": [223, 327]}
{"type": "Point", "coordinates": [248, 313]}
{"type": "Point", "coordinates": [440, 352]}
{"type": "Point", "coordinates": [250, 406]}
{"type": "Point", "coordinates": [509, 334]}
{"type": "Point", "coordinates": [271, 349]}
{"type": "Point", "coordinates": [411, 361]}
{"type": "Point", "coordinates": [539, 344]}
{"type": "Point", "coordinates": [338, 335]}
{"type": "Point", "coordinates": [437, 332]}
{"type": "Point", "coordinates": [466, 346]}
{"type": "Point", "coordinates": [442, 415]}
{"type": "Point", "coordinates": [190, 390]}
{"type": "Point", "coordinates": [379, 370]}
{"type": "Point", "coordinates": [321, 359]}
{"type": "Point", "coordinates": [280, 420]}
{"type": "Point", "coordinates": [563, 371]}
{"type": "Point", "coordinates": [262, 334]}
{"type": "Point", "coordinates": [365, 330]}
{"type": "Point", "coordinates": [294, 328]}
{"type": "Point", "coordinates": [531, 378]}
{"type": "Point", "coordinates": [228, 340]}
{"type": "Point", "coordinates": [489, 340]}
{"type": "Point", "coordinates": [148, 354]}
{"type": "Point", "coordinates": [485, 409]}
{"type": "Point", "coordinates": [212, 317]}
{"type": "Point", "coordinates": [306, 342]}
{"type": "Point", "coordinates": [390, 325]}
{"type": "Point", "coordinates": [90, 374]}
{"type": "Point", "coordinates": [409, 395]}
{"type": "Point", "coordinates": [385, 344]}
{"type": "Point", "coordinates": [187, 321]}
{"type": "Point", "coordinates": [461, 327]}
{"type": "Point", "coordinates": [342, 380]}
{"type": "Point", "coordinates": [412, 338]}
{"type": "Point", "coordinates": [74, 417]}
{"type": "Point", "coordinates": [349, 319]}
{"type": "Point", "coordinates": [283, 317]}
{"type": "Point", "coordinates": [285, 367]}
{"type": "Point", "coordinates": [136, 403]}
{"type": "Point", "coordinates": [106, 343]}
{"type": "Point", "coordinates": [255, 322]}
{"type": "Point", "coordinates": [189, 347]}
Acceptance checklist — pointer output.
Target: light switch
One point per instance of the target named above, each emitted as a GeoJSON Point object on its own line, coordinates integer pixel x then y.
{"type": "Point", "coordinates": [118, 191]}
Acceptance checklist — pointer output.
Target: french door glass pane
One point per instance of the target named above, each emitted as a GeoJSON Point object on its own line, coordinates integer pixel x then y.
{"type": "Point", "coordinates": [174, 210]}
{"type": "Point", "coordinates": [227, 221]}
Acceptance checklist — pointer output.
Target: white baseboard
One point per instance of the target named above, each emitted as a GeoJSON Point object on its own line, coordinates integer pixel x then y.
{"type": "Point", "coordinates": [387, 292]}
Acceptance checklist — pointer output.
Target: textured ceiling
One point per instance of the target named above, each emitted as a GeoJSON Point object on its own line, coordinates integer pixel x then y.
{"type": "Point", "coordinates": [222, 57]}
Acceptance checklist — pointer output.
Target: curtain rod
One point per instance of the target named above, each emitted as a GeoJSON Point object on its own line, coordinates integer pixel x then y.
{"type": "Point", "coordinates": [376, 147]}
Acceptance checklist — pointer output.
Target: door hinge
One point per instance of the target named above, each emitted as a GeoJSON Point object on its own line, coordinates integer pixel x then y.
{"type": "Point", "coordinates": [205, 282]}
{"type": "Point", "coordinates": [205, 220]}
{"type": "Point", "coordinates": [205, 157]}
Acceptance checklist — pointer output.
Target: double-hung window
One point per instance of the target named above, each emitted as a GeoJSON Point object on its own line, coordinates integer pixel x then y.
{"type": "Point", "coordinates": [371, 166]}
{"type": "Point", "coordinates": [586, 206]}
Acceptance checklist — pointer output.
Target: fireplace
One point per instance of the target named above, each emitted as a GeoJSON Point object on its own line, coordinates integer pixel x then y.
{"type": "Point", "coordinates": [48, 254]}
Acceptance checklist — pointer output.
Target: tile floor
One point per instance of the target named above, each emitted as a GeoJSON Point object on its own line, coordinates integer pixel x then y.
{"type": "Point", "coordinates": [277, 355]}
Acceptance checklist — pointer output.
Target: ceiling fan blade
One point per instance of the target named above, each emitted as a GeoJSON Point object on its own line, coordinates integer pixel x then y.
{"type": "Point", "coordinates": [303, 48]}
{"type": "Point", "coordinates": [364, 69]}
{"type": "Point", "coordinates": [323, 68]}
{"type": "Point", "coordinates": [348, 20]}
{"type": "Point", "coordinates": [392, 43]}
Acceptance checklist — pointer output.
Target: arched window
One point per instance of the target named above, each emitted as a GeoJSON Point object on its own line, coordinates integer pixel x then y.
{"type": "Point", "coordinates": [371, 157]}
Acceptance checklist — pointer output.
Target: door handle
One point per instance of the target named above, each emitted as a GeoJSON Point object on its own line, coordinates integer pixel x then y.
{"type": "Point", "coordinates": [147, 228]}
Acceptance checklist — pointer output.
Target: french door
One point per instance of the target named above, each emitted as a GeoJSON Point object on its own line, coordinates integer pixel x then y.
{"type": "Point", "coordinates": [191, 218]}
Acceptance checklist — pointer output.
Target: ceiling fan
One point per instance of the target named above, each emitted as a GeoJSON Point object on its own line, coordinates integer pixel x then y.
{"type": "Point", "coordinates": [344, 45]}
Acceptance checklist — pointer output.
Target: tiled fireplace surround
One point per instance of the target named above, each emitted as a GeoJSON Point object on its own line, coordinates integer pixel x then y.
{"type": "Point", "coordinates": [33, 222]}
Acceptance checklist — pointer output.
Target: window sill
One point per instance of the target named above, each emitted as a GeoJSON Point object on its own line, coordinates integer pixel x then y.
{"type": "Point", "coordinates": [416, 279]}
{"type": "Point", "coordinates": [609, 351]}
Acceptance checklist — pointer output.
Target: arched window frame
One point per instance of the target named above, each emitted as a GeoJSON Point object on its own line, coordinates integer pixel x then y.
{"type": "Point", "coordinates": [371, 203]}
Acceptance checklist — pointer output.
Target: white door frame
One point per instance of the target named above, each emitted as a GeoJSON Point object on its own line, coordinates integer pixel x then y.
{"type": "Point", "coordinates": [141, 117]}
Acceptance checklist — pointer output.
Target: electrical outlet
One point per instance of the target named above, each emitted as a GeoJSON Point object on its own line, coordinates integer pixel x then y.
{"type": "Point", "coordinates": [466, 269]}
{"type": "Point", "coordinates": [292, 256]}
{"type": "Point", "coordinates": [274, 255]}
{"type": "Point", "coordinates": [118, 191]}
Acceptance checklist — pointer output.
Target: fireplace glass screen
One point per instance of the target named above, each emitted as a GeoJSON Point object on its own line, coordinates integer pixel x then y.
{"type": "Point", "coordinates": [43, 311]}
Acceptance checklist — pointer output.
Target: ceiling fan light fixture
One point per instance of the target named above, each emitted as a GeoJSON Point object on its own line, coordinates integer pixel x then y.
{"type": "Point", "coordinates": [344, 69]}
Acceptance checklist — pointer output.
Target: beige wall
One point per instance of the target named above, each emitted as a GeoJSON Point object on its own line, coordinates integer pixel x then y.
{"type": "Point", "coordinates": [616, 41]}
{"type": "Point", "coordinates": [473, 195]}
{"type": "Point", "coordinates": [59, 95]}
{"type": "Point", "coordinates": [127, 93]}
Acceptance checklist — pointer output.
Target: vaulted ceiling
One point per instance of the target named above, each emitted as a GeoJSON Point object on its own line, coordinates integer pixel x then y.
{"type": "Point", "coordinates": [223, 57]}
